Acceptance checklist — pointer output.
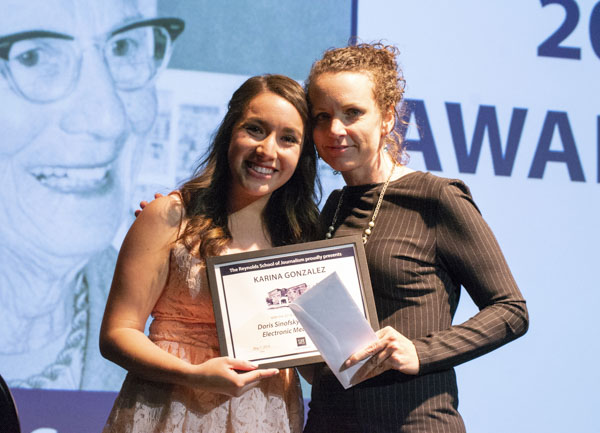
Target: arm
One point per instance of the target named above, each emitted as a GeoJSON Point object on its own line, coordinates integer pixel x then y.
{"type": "Point", "coordinates": [468, 251]}
{"type": "Point", "coordinates": [140, 275]}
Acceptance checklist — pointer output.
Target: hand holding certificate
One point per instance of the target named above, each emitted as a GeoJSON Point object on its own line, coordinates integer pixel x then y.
{"type": "Point", "coordinates": [252, 293]}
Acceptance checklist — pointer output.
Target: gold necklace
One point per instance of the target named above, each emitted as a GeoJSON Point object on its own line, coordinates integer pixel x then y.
{"type": "Point", "coordinates": [367, 232]}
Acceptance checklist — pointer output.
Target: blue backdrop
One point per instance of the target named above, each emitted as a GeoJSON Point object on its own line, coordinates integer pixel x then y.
{"type": "Point", "coordinates": [499, 94]}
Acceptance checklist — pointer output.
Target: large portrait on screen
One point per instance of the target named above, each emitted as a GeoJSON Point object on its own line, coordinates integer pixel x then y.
{"type": "Point", "coordinates": [92, 122]}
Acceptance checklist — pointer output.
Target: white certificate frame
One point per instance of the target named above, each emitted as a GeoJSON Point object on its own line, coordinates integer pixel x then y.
{"type": "Point", "coordinates": [248, 288]}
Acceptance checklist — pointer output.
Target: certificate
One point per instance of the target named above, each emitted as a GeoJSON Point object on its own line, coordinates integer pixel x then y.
{"type": "Point", "coordinates": [251, 293]}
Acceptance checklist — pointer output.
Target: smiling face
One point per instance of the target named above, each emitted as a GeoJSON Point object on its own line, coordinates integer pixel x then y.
{"type": "Point", "coordinates": [265, 148]}
{"type": "Point", "coordinates": [348, 126]}
{"type": "Point", "coordinates": [64, 165]}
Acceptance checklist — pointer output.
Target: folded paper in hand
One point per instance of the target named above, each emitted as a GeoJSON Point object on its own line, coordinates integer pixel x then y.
{"type": "Point", "coordinates": [335, 324]}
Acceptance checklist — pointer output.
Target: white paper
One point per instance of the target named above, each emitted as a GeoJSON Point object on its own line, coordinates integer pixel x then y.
{"type": "Point", "coordinates": [254, 294]}
{"type": "Point", "coordinates": [335, 324]}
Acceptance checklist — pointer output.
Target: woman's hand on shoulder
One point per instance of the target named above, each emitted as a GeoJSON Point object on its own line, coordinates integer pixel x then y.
{"type": "Point", "coordinates": [391, 351]}
{"type": "Point", "coordinates": [145, 203]}
{"type": "Point", "coordinates": [229, 376]}
{"type": "Point", "coordinates": [166, 211]}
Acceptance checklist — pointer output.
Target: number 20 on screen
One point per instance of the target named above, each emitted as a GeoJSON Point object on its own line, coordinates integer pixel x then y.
{"type": "Point", "coordinates": [552, 47]}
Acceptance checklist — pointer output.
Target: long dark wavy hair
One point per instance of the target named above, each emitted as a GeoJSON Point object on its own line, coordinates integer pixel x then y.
{"type": "Point", "coordinates": [291, 214]}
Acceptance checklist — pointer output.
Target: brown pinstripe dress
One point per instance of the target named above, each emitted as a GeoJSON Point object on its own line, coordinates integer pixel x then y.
{"type": "Point", "coordinates": [429, 240]}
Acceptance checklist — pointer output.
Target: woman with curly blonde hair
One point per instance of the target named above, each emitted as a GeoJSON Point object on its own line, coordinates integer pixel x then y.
{"type": "Point", "coordinates": [424, 239]}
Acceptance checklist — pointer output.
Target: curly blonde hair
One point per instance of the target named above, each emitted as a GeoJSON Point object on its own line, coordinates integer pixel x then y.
{"type": "Point", "coordinates": [379, 62]}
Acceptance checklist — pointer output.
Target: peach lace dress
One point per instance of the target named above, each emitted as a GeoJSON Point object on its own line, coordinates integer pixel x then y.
{"type": "Point", "coordinates": [184, 326]}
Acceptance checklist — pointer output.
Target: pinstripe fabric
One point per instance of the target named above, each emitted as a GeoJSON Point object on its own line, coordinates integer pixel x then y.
{"type": "Point", "coordinates": [429, 239]}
